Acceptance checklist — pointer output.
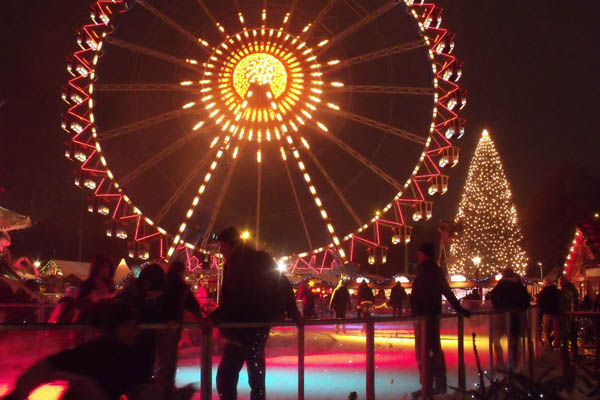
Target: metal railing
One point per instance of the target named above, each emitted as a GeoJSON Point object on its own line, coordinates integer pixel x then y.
{"type": "Point", "coordinates": [530, 343]}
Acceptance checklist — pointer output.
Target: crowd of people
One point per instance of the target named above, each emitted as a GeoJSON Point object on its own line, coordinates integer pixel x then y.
{"type": "Point", "coordinates": [141, 362]}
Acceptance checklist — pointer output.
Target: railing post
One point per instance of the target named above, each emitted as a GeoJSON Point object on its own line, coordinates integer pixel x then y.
{"type": "Point", "coordinates": [529, 343]}
{"type": "Point", "coordinates": [510, 341]}
{"type": "Point", "coordinates": [491, 344]}
{"type": "Point", "coordinates": [206, 364]}
{"type": "Point", "coordinates": [370, 339]}
{"type": "Point", "coordinates": [301, 362]}
{"type": "Point", "coordinates": [462, 379]}
{"type": "Point", "coordinates": [424, 363]}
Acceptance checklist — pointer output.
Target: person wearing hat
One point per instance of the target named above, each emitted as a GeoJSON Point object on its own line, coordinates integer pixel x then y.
{"type": "Point", "coordinates": [426, 301]}
{"type": "Point", "coordinates": [252, 291]}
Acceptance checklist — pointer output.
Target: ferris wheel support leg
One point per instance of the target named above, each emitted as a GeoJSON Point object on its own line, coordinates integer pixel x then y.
{"type": "Point", "coordinates": [258, 201]}
{"type": "Point", "coordinates": [219, 203]}
{"type": "Point", "coordinates": [335, 187]}
{"type": "Point", "coordinates": [181, 188]}
{"type": "Point", "coordinates": [324, 216]}
{"type": "Point", "coordinates": [295, 193]}
{"type": "Point", "coordinates": [201, 190]}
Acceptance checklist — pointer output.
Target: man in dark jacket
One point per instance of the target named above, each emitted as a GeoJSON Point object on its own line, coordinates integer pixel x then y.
{"type": "Point", "coordinates": [397, 297]}
{"type": "Point", "coordinates": [249, 285]}
{"type": "Point", "coordinates": [426, 301]}
{"type": "Point", "coordinates": [508, 295]}
{"type": "Point", "coordinates": [549, 303]}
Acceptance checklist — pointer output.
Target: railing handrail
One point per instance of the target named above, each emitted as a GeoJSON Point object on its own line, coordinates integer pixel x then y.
{"type": "Point", "coordinates": [307, 322]}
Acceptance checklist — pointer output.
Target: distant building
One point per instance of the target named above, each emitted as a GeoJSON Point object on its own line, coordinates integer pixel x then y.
{"type": "Point", "coordinates": [582, 266]}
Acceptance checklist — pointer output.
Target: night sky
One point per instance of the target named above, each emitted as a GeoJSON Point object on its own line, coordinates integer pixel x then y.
{"type": "Point", "coordinates": [530, 68]}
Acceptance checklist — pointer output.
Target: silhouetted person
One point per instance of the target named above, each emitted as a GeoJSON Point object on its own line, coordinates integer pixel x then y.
{"type": "Point", "coordinates": [105, 368]}
{"type": "Point", "coordinates": [252, 291]}
{"type": "Point", "coordinates": [365, 300]}
{"type": "Point", "coordinates": [340, 303]}
{"type": "Point", "coordinates": [426, 301]}
{"type": "Point", "coordinates": [397, 296]}
{"type": "Point", "coordinates": [98, 286]}
{"type": "Point", "coordinates": [146, 295]}
{"type": "Point", "coordinates": [308, 298]}
{"type": "Point", "coordinates": [549, 302]}
{"type": "Point", "coordinates": [569, 302]}
{"type": "Point", "coordinates": [508, 295]}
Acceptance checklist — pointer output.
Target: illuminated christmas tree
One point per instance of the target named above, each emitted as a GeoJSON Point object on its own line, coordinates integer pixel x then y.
{"type": "Point", "coordinates": [491, 236]}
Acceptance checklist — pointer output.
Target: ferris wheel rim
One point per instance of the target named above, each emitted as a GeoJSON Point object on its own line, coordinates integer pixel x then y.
{"type": "Point", "coordinates": [424, 155]}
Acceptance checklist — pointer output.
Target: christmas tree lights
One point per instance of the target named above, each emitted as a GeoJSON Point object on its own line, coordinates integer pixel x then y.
{"type": "Point", "coordinates": [491, 234]}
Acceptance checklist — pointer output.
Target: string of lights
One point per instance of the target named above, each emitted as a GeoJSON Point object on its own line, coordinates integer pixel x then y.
{"type": "Point", "coordinates": [490, 241]}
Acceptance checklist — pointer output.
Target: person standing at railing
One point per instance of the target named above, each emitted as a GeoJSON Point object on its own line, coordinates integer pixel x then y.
{"type": "Point", "coordinates": [509, 295]}
{"type": "Point", "coordinates": [549, 303]}
{"type": "Point", "coordinates": [252, 291]}
{"type": "Point", "coordinates": [340, 303]}
{"type": "Point", "coordinates": [98, 286]}
{"type": "Point", "coordinates": [426, 301]}
{"type": "Point", "coordinates": [569, 301]}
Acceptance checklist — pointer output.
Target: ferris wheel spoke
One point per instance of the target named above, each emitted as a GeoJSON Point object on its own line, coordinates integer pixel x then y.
{"type": "Point", "coordinates": [312, 189]}
{"type": "Point", "coordinates": [374, 55]}
{"type": "Point", "coordinates": [154, 160]}
{"type": "Point", "coordinates": [362, 159]}
{"type": "Point", "coordinates": [217, 24]}
{"type": "Point", "coordinates": [181, 188]}
{"type": "Point", "coordinates": [358, 25]}
{"type": "Point", "coordinates": [308, 29]}
{"type": "Point", "coordinates": [424, 91]}
{"type": "Point", "coordinates": [201, 190]}
{"type": "Point", "coordinates": [138, 125]}
{"type": "Point", "coordinates": [218, 203]}
{"type": "Point", "coordinates": [240, 14]}
{"type": "Point", "coordinates": [295, 193]}
{"type": "Point", "coordinates": [379, 125]}
{"type": "Point", "coordinates": [144, 87]}
{"type": "Point", "coordinates": [288, 16]}
{"type": "Point", "coordinates": [157, 13]}
{"type": "Point", "coordinates": [190, 64]}
{"type": "Point", "coordinates": [334, 186]}
{"type": "Point", "coordinates": [258, 196]}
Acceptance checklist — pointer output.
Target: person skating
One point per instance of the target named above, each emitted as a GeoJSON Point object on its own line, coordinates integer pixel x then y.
{"type": "Point", "coordinates": [365, 300]}
{"type": "Point", "coordinates": [397, 296]}
{"type": "Point", "coordinates": [340, 303]}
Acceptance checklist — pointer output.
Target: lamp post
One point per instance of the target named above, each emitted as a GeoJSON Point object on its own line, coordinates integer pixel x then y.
{"type": "Point", "coordinates": [476, 261]}
{"type": "Point", "coordinates": [541, 270]}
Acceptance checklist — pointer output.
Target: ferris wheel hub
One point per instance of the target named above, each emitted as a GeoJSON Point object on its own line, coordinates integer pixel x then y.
{"type": "Point", "coordinates": [261, 83]}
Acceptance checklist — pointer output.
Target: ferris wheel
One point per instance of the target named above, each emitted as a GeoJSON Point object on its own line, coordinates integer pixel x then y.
{"type": "Point", "coordinates": [321, 127]}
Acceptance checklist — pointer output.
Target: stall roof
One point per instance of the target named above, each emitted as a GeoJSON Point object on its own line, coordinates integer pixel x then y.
{"type": "Point", "coordinates": [11, 221]}
{"type": "Point", "coordinates": [77, 268]}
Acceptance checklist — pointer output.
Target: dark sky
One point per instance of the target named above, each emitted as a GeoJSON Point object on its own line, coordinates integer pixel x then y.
{"type": "Point", "coordinates": [531, 69]}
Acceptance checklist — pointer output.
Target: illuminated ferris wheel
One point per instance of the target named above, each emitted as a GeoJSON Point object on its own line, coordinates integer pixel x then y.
{"type": "Point", "coordinates": [321, 127]}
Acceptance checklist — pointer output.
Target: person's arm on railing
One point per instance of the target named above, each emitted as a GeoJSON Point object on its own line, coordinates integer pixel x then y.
{"type": "Point", "coordinates": [447, 292]}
